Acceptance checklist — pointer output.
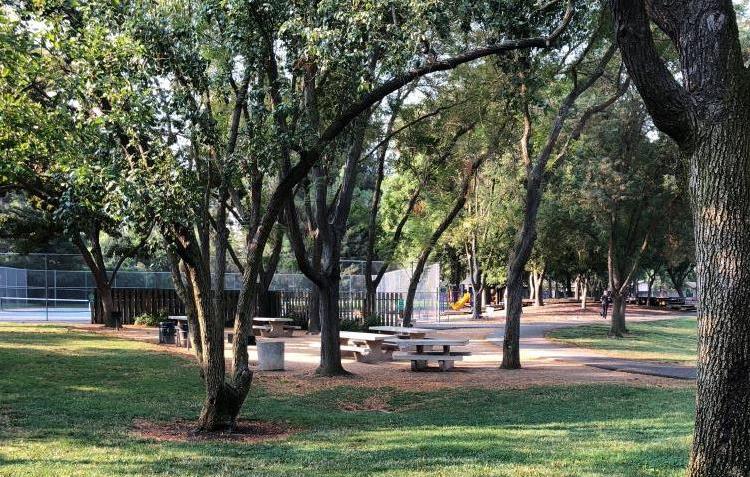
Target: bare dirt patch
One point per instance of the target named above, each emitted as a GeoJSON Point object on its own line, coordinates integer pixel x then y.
{"type": "Point", "coordinates": [247, 431]}
{"type": "Point", "coordinates": [376, 402]}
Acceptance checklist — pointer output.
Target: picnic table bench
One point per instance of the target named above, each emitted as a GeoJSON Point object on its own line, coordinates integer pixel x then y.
{"type": "Point", "coordinates": [274, 327]}
{"type": "Point", "coordinates": [421, 356]}
{"type": "Point", "coordinates": [364, 347]}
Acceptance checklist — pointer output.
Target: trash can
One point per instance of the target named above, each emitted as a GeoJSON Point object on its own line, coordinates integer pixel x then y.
{"type": "Point", "coordinates": [166, 332]}
{"type": "Point", "coordinates": [271, 355]}
{"type": "Point", "coordinates": [117, 319]}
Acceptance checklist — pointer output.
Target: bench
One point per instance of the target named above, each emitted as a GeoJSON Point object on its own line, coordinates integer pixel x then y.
{"type": "Point", "coordinates": [423, 352]}
{"type": "Point", "coordinates": [419, 360]}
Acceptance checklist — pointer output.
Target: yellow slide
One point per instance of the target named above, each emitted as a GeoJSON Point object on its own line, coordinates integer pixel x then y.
{"type": "Point", "coordinates": [461, 302]}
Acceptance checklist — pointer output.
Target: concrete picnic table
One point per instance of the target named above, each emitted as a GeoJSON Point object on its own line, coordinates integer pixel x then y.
{"type": "Point", "coordinates": [421, 356]}
{"type": "Point", "coordinates": [276, 327]}
{"type": "Point", "coordinates": [366, 347]}
{"type": "Point", "coordinates": [406, 331]}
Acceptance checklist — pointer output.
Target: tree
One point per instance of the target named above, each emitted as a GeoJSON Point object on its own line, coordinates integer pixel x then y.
{"type": "Point", "coordinates": [536, 163]}
{"type": "Point", "coordinates": [67, 133]}
{"type": "Point", "coordinates": [295, 58]}
{"type": "Point", "coordinates": [679, 245]}
{"type": "Point", "coordinates": [707, 114]}
{"type": "Point", "coordinates": [631, 189]}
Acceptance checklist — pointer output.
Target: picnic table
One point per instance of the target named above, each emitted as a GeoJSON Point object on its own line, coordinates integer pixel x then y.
{"type": "Point", "coordinates": [274, 327]}
{"type": "Point", "coordinates": [366, 347]}
{"type": "Point", "coordinates": [402, 331]}
{"type": "Point", "coordinates": [421, 356]}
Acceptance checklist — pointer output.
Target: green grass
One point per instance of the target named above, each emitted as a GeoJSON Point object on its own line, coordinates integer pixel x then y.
{"type": "Point", "coordinates": [67, 401]}
{"type": "Point", "coordinates": [665, 340]}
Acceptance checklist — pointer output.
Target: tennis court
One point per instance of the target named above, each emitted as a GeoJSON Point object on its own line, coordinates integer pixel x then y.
{"type": "Point", "coordinates": [42, 309]}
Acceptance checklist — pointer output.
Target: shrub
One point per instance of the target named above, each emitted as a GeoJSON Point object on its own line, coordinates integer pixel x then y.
{"type": "Point", "coordinates": [356, 324]}
{"type": "Point", "coordinates": [151, 319]}
{"type": "Point", "coordinates": [299, 317]}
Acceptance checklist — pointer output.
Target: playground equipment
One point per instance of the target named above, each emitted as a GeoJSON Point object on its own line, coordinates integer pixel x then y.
{"type": "Point", "coordinates": [457, 305]}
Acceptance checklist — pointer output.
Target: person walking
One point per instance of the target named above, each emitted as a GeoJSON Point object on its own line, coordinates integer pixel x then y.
{"type": "Point", "coordinates": [606, 300]}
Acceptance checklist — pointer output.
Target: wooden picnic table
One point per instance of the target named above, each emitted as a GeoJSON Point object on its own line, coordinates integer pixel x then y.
{"type": "Point", "coordinates": [275, 327]}
{"type": "Point", "coordinates": [366, 347]}
{"type": "Point", "coordinates": [419, 358]}
{"type": "Point", "coordinates": [405, 331]}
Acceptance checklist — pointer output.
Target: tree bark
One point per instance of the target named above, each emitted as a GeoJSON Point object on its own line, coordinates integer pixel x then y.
{"type": "Point", "coordinates": [108, 304]}
{"type": "Point", "coordinates": [721, 208]}
{"type": "Point", "coordinates": [330, 351]}
{"type": "Point", "coordinates": [709, 118]}
{"type": "Point", "coordinates": [532, 286]}
{"type": "Point", "coordinates": [538, 287]}
{"type": "Point", "coordinates": [618, 328]}
{"type": "Point", "coordinates": [584, 292]}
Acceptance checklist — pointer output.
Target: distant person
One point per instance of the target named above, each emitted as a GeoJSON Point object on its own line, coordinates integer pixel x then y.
{"type": "Point", "coordinates": [606, 300]}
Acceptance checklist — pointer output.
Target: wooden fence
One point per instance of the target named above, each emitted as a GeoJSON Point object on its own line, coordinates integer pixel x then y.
{"type": "Point", "coordinates": [133, 302]}
{"type": "Point", "coordinates": [387, 307]}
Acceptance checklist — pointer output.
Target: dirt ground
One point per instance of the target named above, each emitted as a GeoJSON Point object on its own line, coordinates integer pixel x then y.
{"type": "Point", "coordinates": [481, 369]}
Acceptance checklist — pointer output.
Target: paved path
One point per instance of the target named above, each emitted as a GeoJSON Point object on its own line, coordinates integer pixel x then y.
{"type": "Point", "coordinates": [534, 346]}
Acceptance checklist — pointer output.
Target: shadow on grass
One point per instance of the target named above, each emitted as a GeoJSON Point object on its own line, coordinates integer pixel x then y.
{"type": "Point", "coordinates": [72, 403]}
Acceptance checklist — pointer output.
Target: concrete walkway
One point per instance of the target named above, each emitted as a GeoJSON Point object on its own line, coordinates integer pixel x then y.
{"type": "Point", "coordinates": [534, 346]}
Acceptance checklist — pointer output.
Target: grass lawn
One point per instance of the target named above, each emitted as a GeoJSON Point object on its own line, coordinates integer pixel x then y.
{"type": "Point", "coordinates": [68, 400]}
{"type": "Point", "coordinates": [665, 340]}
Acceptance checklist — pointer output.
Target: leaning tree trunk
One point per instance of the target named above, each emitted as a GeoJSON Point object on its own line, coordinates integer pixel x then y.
{"type": "Point", "coordinates": [538, 286]}
{"type": "Point", "coordinates": [721, 212]}
{"type": "Point", "coordinates": [532, 287]}
{"type": "Point", "coordinates": [516, 264]}
{"type": "Point", "coordinates": [618, 328]}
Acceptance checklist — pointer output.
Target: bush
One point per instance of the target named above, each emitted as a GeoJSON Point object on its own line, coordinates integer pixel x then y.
{"type": "Point", "coordinates": [299, 317]}
{"type": "Point", "coordinates": [355, 324]}
{"type": "Point", "coordinates": [151, 319]}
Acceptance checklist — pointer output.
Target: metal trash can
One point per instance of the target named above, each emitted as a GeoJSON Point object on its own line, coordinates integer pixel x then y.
{"type": "Point", "coordinates": [167, 332]}
{"type": "Point", "coordinates": [117, 319]}
{"type": "Point", "coordinates": [270, 355]}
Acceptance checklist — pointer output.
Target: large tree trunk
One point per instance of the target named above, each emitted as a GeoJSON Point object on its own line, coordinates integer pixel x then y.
{"type": "Point", "coordinates": [618, 328]}
{"type": "Point", "coordinates": [108, 305]}
{"type": "Point", "coordinates": [330, 352]}
{"type": "Point", "coordinates": [721, 211]}
{"type": "Point", "coordinates": [513, 310]}
{"type": "Point", "coordinates": [217, 410]}
{"type": "Point", "coordinates": [476, 305]}
{"type": "Point", "coordinates": [708, 115]}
